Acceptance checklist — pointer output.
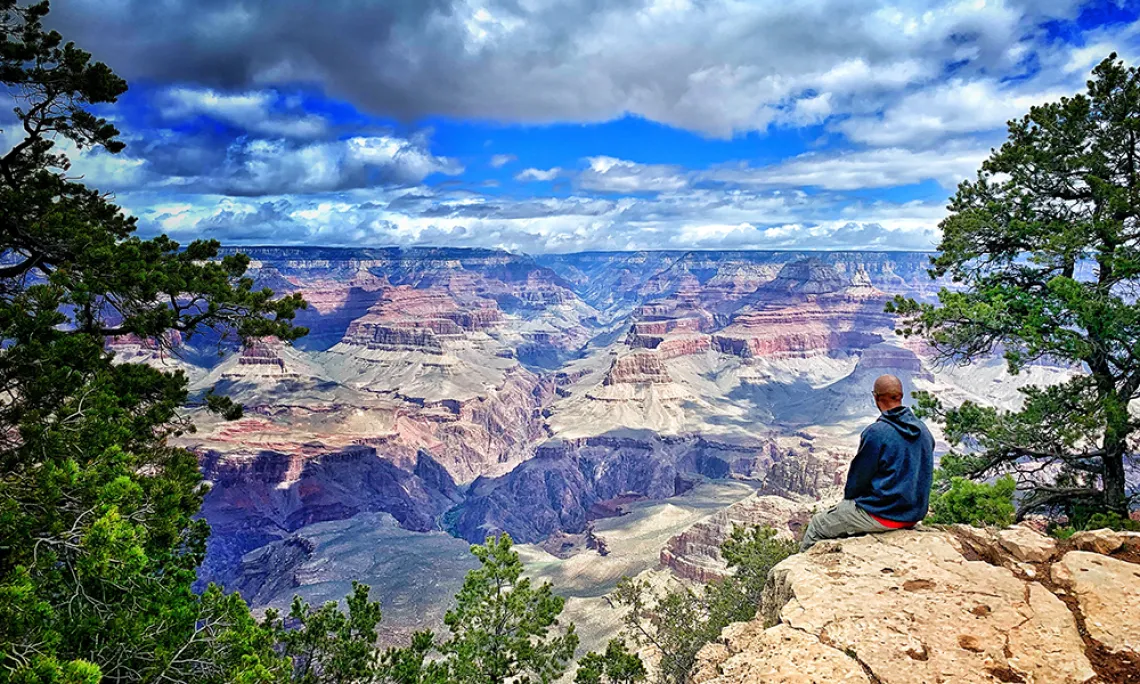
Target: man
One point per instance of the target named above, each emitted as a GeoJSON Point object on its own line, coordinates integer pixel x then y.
{"type": "Point", "coordinates": [888, 486]}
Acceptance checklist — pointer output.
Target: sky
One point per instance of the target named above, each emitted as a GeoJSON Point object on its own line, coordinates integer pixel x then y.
{"type": "Point", "coordinates": [546, 126]}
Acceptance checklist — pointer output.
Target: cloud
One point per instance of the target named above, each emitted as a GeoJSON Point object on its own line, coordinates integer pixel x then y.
{"type": "Point", "coordinates": [938, 112]}
{"type": "Point", "coordinates": [874, 168]}
{"type": "Point", "coordinates": [251, 111]}
{"type": "Point", "coordinates": [530, 175]}
{"type": "Point", "coordinates": [498, 161]}
{"type": "Point", "coordinates": [698, 218]}
{"type": "Point", "coordinates": [250, 166]}
{"type": "Point", "coordinates": [718, 67]}
{"type": "Point", "coordinates": [851, 170]}
{"type": "Point", "coordinates": [607, 174]}
{"type": "Point", "coordinates": [262, 167]}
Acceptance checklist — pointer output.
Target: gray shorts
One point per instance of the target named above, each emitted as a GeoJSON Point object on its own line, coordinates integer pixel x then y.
{"type": "Point", "coordinates": [844, 519]}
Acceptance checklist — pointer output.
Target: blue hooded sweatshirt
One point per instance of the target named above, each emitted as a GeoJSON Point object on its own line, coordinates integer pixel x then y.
{"type": "Point", "coordinates": [891, 474]}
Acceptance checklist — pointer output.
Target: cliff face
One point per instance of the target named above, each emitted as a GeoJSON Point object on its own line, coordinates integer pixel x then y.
{"type": "Point", "coordinates": [955, 605]}
{"type": "Point", "coordinates": [570, 482]}
{"type": "Point", "coordinates": [258, 498]}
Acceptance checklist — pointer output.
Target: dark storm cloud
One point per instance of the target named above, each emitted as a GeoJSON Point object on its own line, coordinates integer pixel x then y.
{"type": "Point", "coordinates": [712, 66]}
{"type": "Point", "coordinates": [233, 45]}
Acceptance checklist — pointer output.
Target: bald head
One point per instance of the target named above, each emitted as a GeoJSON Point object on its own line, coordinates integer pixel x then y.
{"type": "Point", "coordinates": [888, 392]}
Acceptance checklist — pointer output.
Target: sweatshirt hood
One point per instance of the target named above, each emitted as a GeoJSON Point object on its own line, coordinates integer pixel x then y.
{"type": "Point", "coordinates": [901, 418]}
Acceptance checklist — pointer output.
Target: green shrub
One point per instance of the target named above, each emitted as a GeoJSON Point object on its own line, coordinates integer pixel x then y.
{"type": "Point", "coordinates": [972, 503]}
{"type": "Point", "coordinates": [1095, 521]}
{"type": "Point", "coordinates": [677, 623]}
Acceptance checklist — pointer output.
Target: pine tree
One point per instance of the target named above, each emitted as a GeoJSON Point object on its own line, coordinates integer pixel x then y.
{"type": "Point", "coordinates": [1044, 251]}
{"type": "Point", "coordinates": [98, 540]}
{"type": "Point", "coordinates": [503, 628]}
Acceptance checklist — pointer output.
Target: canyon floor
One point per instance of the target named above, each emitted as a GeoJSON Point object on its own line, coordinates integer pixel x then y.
{"type": "Point", "coordinates": [616, 413]}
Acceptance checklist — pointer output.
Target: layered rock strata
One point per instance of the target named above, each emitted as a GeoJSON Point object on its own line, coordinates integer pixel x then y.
{"type": "Point", "coordinates": [569, 482]}
{"type": "Point", "coordinates": [695, 553]}
{"type": "Point", "coordinates": [637, 368]}
{"type": "Point", "coordinates": [808, 309]}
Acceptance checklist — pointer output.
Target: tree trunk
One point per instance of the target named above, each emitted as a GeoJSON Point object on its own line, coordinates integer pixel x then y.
{"type": "Point", "coordinates": [1115, 498]}
{"type": "Point", "coordinates": [1117, 429]}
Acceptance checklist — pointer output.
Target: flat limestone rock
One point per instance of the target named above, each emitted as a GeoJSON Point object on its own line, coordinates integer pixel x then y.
{"type": "Point", "coordinates": [1108, 591]}
{"type": "Point", "coordinates": [1098, 541]}
{"type": "Point", "coordinates": [780, 655]}
{"type": "Point", "coordinates": [1027, 544]}
{"type": "Point", "coordinates": [912, 608]}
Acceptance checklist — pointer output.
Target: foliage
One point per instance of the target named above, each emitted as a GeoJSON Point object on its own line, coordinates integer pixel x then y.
{"type": "Point", "coordinates": [501, 626]}
{"type": "Point", "coordinates": [1112, 521]}
{"type": "Point", "coordinates": [1096, 521]}
{"type": "Point", "coordinates": [326, 645]}
{"type": "Point", "coordinates": [678, 622]}
{"type": "Point", "coordinates": [616, 665]}
{"type": "Point", "coordinates": [1044, 248]}
{"type": "Point", "coordinates": [972, 503]}
{"type": "Point", "coordinates": [410, 665]}
{"type": "Point", "coordinates": [98, 541]}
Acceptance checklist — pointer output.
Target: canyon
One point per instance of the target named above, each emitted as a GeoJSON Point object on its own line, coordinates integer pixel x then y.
{"type": "Point", "coordinates": [616, 413]}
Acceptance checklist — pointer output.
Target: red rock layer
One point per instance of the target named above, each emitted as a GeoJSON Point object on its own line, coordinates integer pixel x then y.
{"type": "Point", "coordinates": [409, 319]}
{"type": "Point", "coordinates": [638, 367]}
{"type": "Point", "coordinates": [490, 433]}
{"type": "Point", "coordinates": [804, 325]}
{"type": "Point", "coordinates": [265, 351]}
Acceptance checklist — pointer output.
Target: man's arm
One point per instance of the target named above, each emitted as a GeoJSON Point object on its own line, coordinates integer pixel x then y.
{"type": "Point", "coordinates": [863, 467]}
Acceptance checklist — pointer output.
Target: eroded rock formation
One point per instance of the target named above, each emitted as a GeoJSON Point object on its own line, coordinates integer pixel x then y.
{"type": "Point", "coordinates": [569, 482]}
{"type": "Point", "coordinates": [929, 605]}
{"type": "Point", "coordinates": [808, 309]}
{"type": "Point", "coordinates": [695, 553]}
{"type": "Point", "coordinates": [636, 368]}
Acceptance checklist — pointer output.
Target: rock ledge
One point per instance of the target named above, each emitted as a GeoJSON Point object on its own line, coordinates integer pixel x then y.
{"type": "Point", "coordinates": [956, 604]}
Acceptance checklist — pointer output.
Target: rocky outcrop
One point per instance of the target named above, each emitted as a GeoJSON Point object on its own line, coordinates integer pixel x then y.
{"type": "Point", "coordinates": [636, 368]}
{"type": "Point", "coordinates": [805, 473]}
{"type": "Point", "coordinates": [271, 569]}
{"type": "Point", "coordinates": [806, 277]}
{"type": "Point", "coordinates": [1108, 597]}
{"type": "Point", "coordinates": [695, 553]}
{"type": "Point", "coordinates": [262, 352]}
{"type": "Point", "coordinates": [555, 490]}
{"type": "Point", "coordinates": [891, 358]}
{"type": "Point", "coordinates": [939, 605]}
{"type": "Point", "coordinates": [409, 319]}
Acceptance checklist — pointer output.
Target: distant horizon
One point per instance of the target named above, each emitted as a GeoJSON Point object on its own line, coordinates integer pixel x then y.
{"type": "Point", "coordinates": [240, 247]}
{"type": "Point", "coordinates": [569, 127]}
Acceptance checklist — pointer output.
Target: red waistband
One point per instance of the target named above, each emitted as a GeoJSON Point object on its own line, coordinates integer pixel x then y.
{"type": "Point", "coordinates": [893, 524]}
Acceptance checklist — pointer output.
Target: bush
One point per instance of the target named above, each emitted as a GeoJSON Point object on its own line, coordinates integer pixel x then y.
{"type": "Point", "coordinates": [972, 503]}
{"type": "Point", "coordinates": [679, 622]}
{"type": "Point", "coordinates": [1095, 521]}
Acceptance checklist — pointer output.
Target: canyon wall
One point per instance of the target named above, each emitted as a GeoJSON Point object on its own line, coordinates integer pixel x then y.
{"type": "Point", "coordinates": [478, 391]}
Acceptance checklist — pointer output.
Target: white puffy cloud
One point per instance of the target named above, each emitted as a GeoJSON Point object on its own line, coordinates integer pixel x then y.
{"type": "Point", "coordinates": [607, 174]}
{"type": "Point", "coordinates": [252, 111]}
{"type": "Point", "coordinates": [541, 175]}
{"type": "Point", "coordinates": [498, 161]}
{"type": "Point", "coordinates": [929, 116]}
{"type": "Point", "coordinates": [689, 219]}
{"type": "Point", "coordinates": [871, 168]}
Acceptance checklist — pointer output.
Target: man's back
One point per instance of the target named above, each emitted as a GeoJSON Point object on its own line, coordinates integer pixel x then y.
{"type": "Point", "coordinates": [891, 475]}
